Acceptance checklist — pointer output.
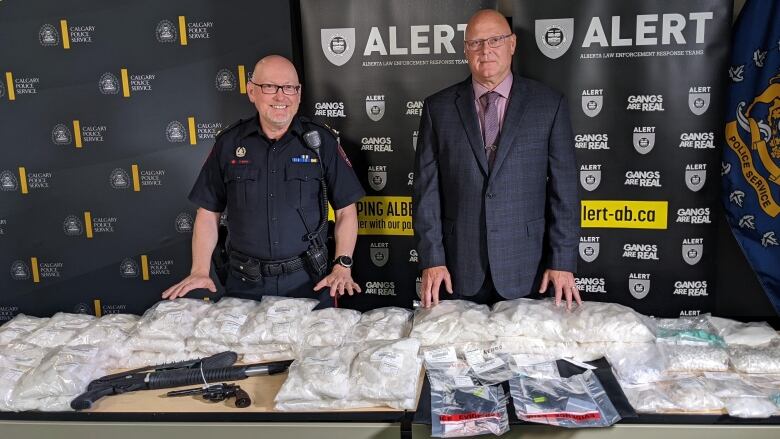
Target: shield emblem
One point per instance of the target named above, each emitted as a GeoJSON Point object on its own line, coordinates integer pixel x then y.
{"type": "Point", "coordinates": [72, 226]}
{"type": "Point", "coordinates": [377, 180]}
{"type": "Point", "coordinates": [553, 37]}
{"type": "Point", "coordinates": [591, 105]}
{"type": "Point", "coordinates": [590, 180]}
{"type": "Point", "coordinates": [60, 135]}
{"type": "Point", "coordinates": [691, 253]}
{"type": "Point", "coordinates": [589, 251]}
{"type": "Point", "coordinates": [20, 271]}
{"type": "Point", "coordinates": [698, 102]}
{"type": "Point", "coordinates": [639, 287]}
{"type": "Point", "coordinates": [128, 268]}
{"type": "Point", "coordinates": [695, 179]}
{"type": "Point", "coordinates": [375, 109]}
{"type": "Point", "coordinates": [338, 45]}
{"type": "Point", "coordinates": [48, 35]}
{"type": "Point", "coordinates": [8, 181]}
{"type": "Point", "coordinates": [644, 142]}
{"type": "Point", "coordinates": [165, 32]}
{"type": "Point", "coordinates": [379, 256]}
{"type": "Point", "coordinates": [109, 84]}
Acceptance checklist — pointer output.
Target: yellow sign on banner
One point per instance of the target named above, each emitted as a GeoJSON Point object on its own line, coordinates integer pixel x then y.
{"type": "Point", "coordinates": [193, 132]}
{"type": "Point", "coordinates": [77, 132]}
{"type": "Point", "coordinates": [624, 214]}
{"type": "Point", "coordinates": [390, 215]}
{"type": "Point", "coordinates": [35, 273]}
{"type": "Point", "coordinates": [65, 34]}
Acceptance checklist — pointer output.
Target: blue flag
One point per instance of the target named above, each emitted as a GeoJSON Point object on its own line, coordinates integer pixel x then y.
{"type": "Point", "coordinates": [751, 157]}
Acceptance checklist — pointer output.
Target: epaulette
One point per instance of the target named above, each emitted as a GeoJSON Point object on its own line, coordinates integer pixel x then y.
{"type": "Point", "coordinates": [322, 125]}
{"type": "Point", "coordinates": [230, 127]}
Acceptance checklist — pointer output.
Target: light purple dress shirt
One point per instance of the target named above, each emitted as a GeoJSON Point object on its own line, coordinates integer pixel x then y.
{"type": "Point", "coordinates": [503, 90]}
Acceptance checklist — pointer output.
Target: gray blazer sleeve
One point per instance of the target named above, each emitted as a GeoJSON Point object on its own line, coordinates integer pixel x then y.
{"type": "Point", "coordinates": [426, 204]}
{"type": "Point", "coordinates": [562, 218]}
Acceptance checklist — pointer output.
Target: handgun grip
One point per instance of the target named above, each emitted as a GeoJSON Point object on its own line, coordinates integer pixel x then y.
{"type": "Point", "coordinates": [242, 398]}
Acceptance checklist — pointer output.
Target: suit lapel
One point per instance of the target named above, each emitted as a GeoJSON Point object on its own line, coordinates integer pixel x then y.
{"type": "Point", "coordinates": [518, 102]}
{"type": "Point", "coordinates": [468, 116]}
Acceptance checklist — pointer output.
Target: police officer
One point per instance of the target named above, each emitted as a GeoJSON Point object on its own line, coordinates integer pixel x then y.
{"type": "Point", "coordinates": [268, 172]}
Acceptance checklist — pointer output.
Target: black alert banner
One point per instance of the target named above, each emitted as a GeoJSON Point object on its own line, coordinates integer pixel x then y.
{"type": "Point", "coordinates": [107, 111]}
{"type": "Point", "coordinates": [369, 65]}
{"type": "Point", "coordinates": [646, 86]}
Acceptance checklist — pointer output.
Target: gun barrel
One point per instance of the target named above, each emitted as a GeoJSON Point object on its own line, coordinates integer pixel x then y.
{"type": "Point", "coordinates": [185, 392]}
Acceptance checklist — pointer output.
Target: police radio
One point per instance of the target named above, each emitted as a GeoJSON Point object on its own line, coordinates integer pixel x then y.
{"type": "Point", "coordinates": [316, 257]}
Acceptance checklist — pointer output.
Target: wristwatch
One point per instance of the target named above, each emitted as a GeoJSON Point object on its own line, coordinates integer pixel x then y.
{"type": "Point", "coordinates": [344, 261]}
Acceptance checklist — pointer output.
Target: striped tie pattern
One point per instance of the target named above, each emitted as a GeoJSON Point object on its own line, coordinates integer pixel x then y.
{"type": "Point", "coordinates": [491, 128]}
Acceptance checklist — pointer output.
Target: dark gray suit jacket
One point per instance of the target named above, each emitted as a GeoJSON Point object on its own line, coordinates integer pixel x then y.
{"type": "Point", "coordinates": [518, 219]}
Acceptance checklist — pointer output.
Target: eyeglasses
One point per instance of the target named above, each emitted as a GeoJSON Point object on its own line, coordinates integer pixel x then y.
{"type": "Point", "coordinates": [493, 42]}
{"type": "Point", "coordinates": [272, 89]}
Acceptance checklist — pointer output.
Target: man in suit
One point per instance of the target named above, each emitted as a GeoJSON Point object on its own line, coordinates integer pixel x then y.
{"type": "Point", "coordinates": [495, 190]}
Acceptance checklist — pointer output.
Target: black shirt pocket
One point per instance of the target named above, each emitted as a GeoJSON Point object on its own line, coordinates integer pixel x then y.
{"type": "Point", "coordinates": [241, 184]}
{"type": "Point", "coordinates": [302, 185]}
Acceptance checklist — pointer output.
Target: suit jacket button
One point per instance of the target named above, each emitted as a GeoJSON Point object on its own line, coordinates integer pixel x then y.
{"type": "Point", "coordinates": [491, 195]}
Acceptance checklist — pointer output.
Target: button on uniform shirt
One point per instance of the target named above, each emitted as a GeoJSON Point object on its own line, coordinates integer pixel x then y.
{"type": "Point", "coordinates": [270, 187]}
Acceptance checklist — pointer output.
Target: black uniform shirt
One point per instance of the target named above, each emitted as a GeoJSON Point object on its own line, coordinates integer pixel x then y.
{"type": "Point", "coordinates": [269, 187]}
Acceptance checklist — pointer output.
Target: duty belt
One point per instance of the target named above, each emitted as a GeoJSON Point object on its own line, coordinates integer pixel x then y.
{"type": "Point", "coordinates": [253, 269]}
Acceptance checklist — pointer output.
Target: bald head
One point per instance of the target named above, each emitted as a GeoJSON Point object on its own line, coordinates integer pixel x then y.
{"type": "Point", "coordinates": [275, 108]}
{"type": "Point", "coordinates": [489, 65]}
{"type": "Point", "coordinates": [488, 17]}
{"type": "Point", "coordinates": [275, 64]}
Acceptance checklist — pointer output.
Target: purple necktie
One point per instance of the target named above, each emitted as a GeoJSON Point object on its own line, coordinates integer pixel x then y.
{"type": "Point", "coordinates": [491, 128]}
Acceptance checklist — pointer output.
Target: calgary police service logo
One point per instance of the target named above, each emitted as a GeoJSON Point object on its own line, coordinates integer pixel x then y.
{"type": "Point", "coordinates": [380, 254]}
{"type": "Point", "coordinates": [175, 132]}
{"type": "Point", "coordinates": [590, 179]}
{"type": "Point", "coordinates": [589, 251]}
{"type": "Point", "coordinates": [81, 308]}
{"type": "Point", "coordinates": [60, 135]}
{"type": "Point", "coordinates": [165, 32]}
{"type": "Point", "coordinates": [72, 226]}
{"type": "Point", "coordinates": [691, 253]}
{"type": "Point", "coordinates": [695, 178]}
{"type": "Point", "coordinates": [375, 107]}
{"type": "Point", "coordinates": [184, 223]}
{"type": "Point", "coordinates": [128, 268]}
{"type": "Point", "coordinates": [643, 142]}
{"type": "Point", "coordinates": [8, 181]}
{"type": "Point", "coordinates": [338, 45]}
{"type": "Point", "coordinates": [698, 102]}
{"type": "Point", "coordinates": [225, 80]}
{"type": "Point", "coordinates": [240, 151]}
{"type": "Point", "coordinates": [754, 136]}
{"type": "Point", "coordinates": [48, 35]}
{"type": "Point", "coordinates": [377, 180]}
{"type": "Point", "coordinates": [20, 271]}
{"type": "Point", "coordinates": [109, 84]}
{"type": "Point", "coordinates": [119, 179]}
{"type": "Point", "coordinates": [639, 288]}
{"type": "Point", "coordinates": [553, 37]}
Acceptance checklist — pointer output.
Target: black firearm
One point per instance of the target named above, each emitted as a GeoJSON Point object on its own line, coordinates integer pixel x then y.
{"type": "Point", "coordinates": [215, 368]}
{"type": "Point", "coordinates": [217, 393]}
